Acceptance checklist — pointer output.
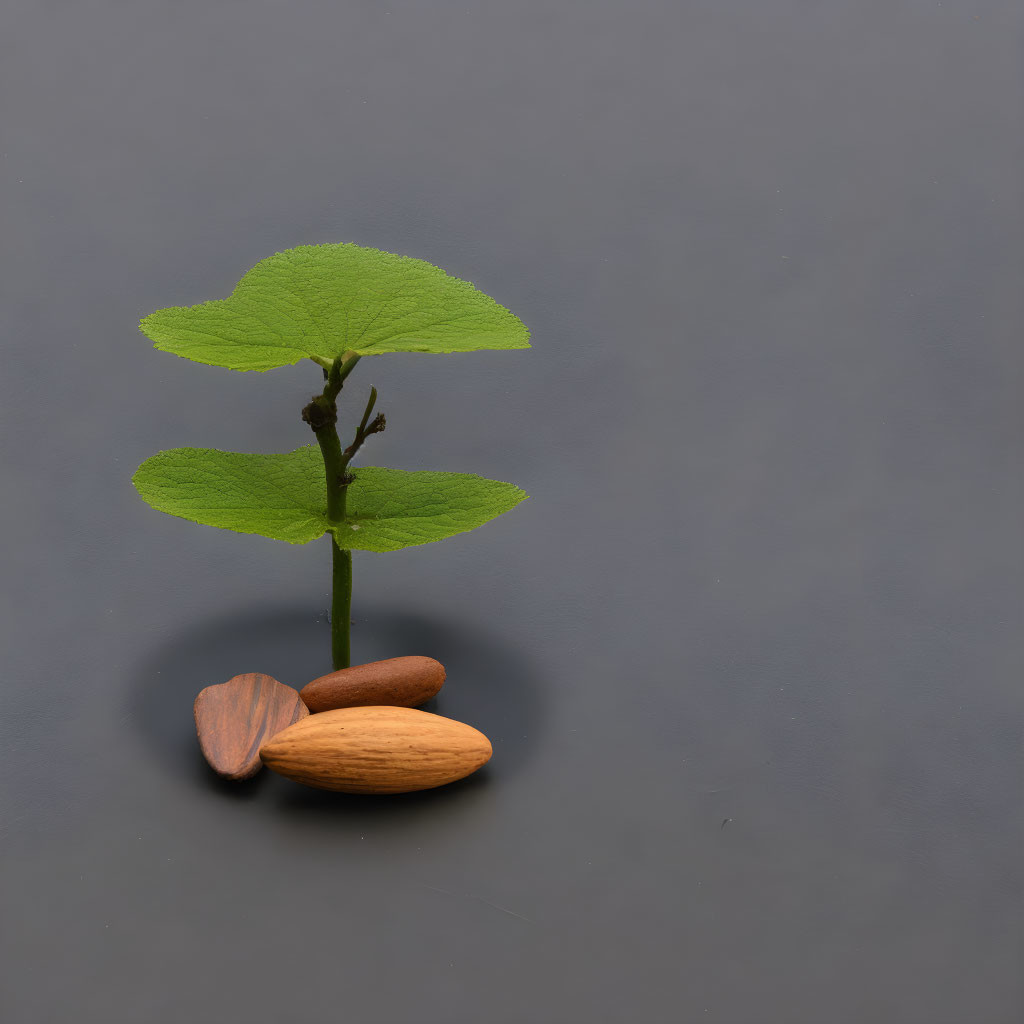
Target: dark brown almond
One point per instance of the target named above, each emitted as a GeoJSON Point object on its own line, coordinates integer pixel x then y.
{"type": "Point", "coordinates": [376, 750]}
{"type": "Point", "coordinates": [234, 719]}
{"type": "Point", "coordinates": [397, 682]}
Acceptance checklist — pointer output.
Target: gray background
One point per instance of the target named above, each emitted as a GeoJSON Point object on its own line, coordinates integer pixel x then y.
{"type": "Point", "coordinates": [751, 656]}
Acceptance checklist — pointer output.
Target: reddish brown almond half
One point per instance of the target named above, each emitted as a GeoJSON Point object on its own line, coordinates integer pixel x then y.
{"type": "Point", "coordinates": [234, 718]}
{"type": "Point", "coordinates": [376, 750]}
{"type": "Point", "coordinates": [399, 682]}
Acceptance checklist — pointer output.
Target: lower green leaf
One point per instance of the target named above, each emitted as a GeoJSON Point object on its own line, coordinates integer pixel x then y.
{"type": "Point", "coordinates": [279, 496]}
{"type": "Point", "coordinates": [285, 497]}
{"type": "Point", "coordinates": [388, 509]}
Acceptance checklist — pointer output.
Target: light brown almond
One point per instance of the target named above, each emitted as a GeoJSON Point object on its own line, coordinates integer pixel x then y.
{"type": "Point", "coordinates": [399, 682]}
{"type": "Point", "coordinates": [376, 750]}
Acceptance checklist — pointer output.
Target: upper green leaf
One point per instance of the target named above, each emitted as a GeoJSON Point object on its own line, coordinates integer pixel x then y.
{"type": "Point", "coordinates": [324, 300]}
{"type": "Point", "coordinates": [285, 497]}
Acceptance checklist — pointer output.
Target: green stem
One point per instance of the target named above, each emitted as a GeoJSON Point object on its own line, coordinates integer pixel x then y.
{"type": "Point", "coordinates": [341, 558]}
{"type": "Point", "coordinates": [341, 605]}
{"type": "Point", "coordinates": [322, 415]}
{"type": "Point", "coordinates": [334, 468]}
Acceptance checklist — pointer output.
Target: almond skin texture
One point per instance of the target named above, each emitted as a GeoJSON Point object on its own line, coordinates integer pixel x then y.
{"type": "Point", "coordinates": [234, 718]}
{"type": "Point", "coordinates": [376, 750]}
{"type": "Point", "coordinates": [398, 682]}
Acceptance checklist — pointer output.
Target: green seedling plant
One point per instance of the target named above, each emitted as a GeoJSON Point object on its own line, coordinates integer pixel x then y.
{"type": "Point", "coordinates": [332, 304]}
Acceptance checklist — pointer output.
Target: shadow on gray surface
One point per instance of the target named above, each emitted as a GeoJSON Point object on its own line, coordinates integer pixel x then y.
{"type": "Point", "coordinates": [488, 686]}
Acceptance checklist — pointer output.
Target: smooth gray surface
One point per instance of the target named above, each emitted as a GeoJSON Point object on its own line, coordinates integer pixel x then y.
{"type": "Point", "coordinates": [751, 656]}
